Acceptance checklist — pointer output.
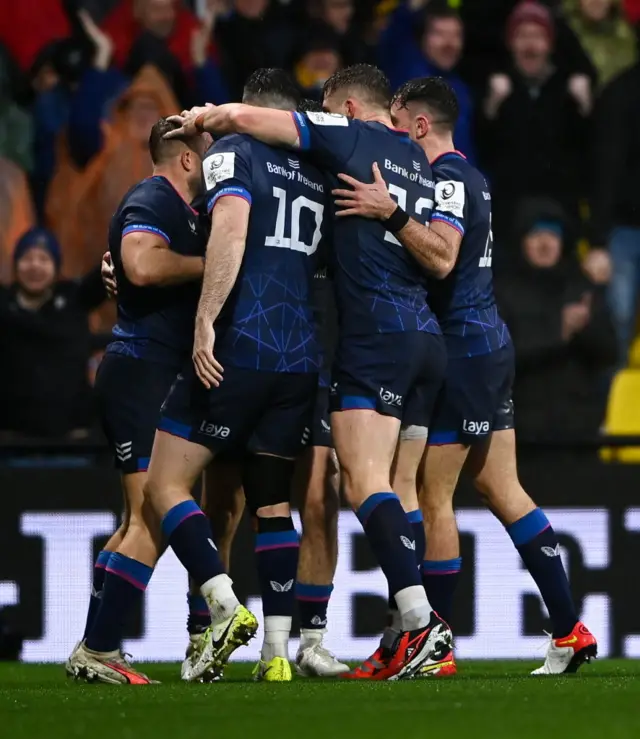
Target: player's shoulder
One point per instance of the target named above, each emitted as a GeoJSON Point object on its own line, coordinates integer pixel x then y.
{"type": "Point", "coordinates": [231, 142]}
{"type": "Point", "coordinates": [150, 192]}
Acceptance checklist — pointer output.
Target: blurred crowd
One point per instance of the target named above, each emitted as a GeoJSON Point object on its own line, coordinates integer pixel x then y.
{"type": "Point", "coordinates": [549, 95]}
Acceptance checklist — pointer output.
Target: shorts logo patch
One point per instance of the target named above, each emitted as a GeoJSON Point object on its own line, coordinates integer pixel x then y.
{"type": "Point", "coordinates": [386, 396]}
{"type": "Point", "coordinates": [215, 431]}
{"type": "Point", "coordinates": [279, 587]}
{"type": "Point", "coordinates": [408, 543]}
{"type": "Point", "coordinates": [124, 451]}
{"type": "Point", "coordinates": [325, 426]}
{"type": "Point", "coordinates": [305, 435]}
{"type": "Point", "coordinates": [477, 428]}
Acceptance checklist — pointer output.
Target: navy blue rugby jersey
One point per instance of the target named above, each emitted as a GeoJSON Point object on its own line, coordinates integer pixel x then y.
{"type": "Point", "coordinates": [464, 302]}
{"type": "Point", "coordinates": [267, 323]}
{"type": "Point", "coordinates": [379, 286]}
{"type": "Point", "coordinates": [156, 323]}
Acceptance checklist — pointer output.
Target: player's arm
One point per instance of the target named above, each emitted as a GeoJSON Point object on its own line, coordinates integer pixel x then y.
{"type": "Point", "coordinates": [275, 127]}
{"type": "Point", "coordinates": [147, 259]}
{"type": "Point", "coordinates": [435, 247]}
{"type": "Point", "coordinates": [225, 250]}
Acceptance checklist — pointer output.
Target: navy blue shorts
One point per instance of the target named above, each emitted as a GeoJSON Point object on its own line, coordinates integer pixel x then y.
{"type": "Point", "coordinates": [396, 375]}
{"type": "Point", "coordinates": [475, 398]}
{"type": "Point", "coordinates": [130, 393]}
{"type": "Point", "coordinates": [268, 412]}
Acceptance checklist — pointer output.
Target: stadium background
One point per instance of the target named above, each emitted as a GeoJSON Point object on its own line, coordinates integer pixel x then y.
{"type": "Point", "coordinates": [59, 140]}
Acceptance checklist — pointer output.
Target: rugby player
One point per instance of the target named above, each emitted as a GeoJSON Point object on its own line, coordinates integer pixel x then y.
{"type": "Point", "coordinates": [390, 357]}
{"type": "Point", "coordinates": [473, 424]}
{"type": "Point", "coordinates": [157, 242]}
{"type": "Point", "coordinates": [251, 387]}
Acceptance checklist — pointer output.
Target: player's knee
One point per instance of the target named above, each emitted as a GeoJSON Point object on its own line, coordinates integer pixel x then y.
{"type": "Point", "coordinates": [267, 484]}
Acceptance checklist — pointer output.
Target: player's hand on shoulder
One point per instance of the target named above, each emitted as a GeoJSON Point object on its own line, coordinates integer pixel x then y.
{"type": "Point", "coordinates": [368, 200]}
{"type": "Point", "coordinates": [207, 367]}
{"type": "Point", "coordinates": [108, 275]}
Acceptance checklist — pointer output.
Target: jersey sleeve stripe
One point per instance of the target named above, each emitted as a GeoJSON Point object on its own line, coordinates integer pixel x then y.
{"type": "Point", "coordinates": [145, 228]}
{"type": "Point", "coordinates": [453, 222]}
{"type": "Point", "coordinates": [303, 130]}
{"type": "Point", "coordinates": [237, 192]}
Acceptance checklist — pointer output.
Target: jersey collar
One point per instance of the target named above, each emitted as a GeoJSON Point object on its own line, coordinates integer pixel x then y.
{"type": "Point", "coordinates": [454, 153]}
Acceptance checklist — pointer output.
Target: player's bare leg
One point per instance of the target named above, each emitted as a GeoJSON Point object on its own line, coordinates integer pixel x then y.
{"type": "Point", "coordinates": [176, 464]}
{"type": "Point", "coordinates": [495, 476]}
{"type": "Point", "coordinates": [98, 657]}
{"type": "Point", "coordinates": [366, 443]}
{"type": "Point", "coordinates": [316, 488]}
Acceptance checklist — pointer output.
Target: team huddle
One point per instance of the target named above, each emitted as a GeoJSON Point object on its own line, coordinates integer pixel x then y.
{"type": "Point", "coordinates": [310, 280]}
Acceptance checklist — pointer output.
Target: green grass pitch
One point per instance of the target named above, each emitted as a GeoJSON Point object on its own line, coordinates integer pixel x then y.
{"type": "Point", "coordinates": [496, 700]}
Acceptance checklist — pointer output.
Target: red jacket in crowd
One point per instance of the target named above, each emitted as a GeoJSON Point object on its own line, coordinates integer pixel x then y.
{"type": "Point", "coordinates": [123, 29]}
{"type": "Point", "coordinates": [27, 26]}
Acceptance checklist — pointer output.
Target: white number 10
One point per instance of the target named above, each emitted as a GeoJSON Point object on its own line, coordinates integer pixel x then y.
{"type": "Point", "coordinates": [294, 242]}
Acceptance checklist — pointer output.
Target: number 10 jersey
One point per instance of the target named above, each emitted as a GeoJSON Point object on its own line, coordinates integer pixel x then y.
{"type": "Point", "coordinates": [267, 322]}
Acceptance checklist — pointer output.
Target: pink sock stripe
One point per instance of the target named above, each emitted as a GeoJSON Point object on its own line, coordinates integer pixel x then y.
{"type": "Point", "coordinates": [100, 566]}
{"type": "Point", "coordinates": [189, 515]}
{"type": "Point", "coordinates": [289, 545]}
{"type": "Point", "coordinates": [127, 577]}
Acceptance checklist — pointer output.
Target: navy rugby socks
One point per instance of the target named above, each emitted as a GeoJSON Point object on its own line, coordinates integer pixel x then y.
{"type": "Point", "coordinates": [419, 537]}
{"type": "Point", "coordinates": [96, 589]}
{"type": "Point", "coordinates": [537, 543]}
{"type": "Point", "coordinates": [199, 618]}
{"type": "Point", "coordinates": [392, 540]}
{"type": "Point", "coordinates": [440, 578]}
{"type": "Point", "coordinates": [125, 581]}
{"type": "Point", "coordinates": [188, 533]}
{"type": "Point", "coordinates": [313, 601]}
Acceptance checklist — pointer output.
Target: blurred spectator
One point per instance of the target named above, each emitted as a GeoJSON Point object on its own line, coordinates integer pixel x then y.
{"type": "Point", "coordinates": [418, 45]}
{"type": "Point", "coordinates": [339, 16]}
{"type": "Point", "coordinates": [16, 214]}
{"type": "Point", "coordinates": [561, 328]}
{"type": "Point", "coordinates": [105, 157]}
{"type": "Point", "coordinates": [605, 35]}
{"type": "Point", "coordinates": [16, 127]}
{"type": "Point", "coordinates": [46, 343]}
{"type": "Point", "coordinates": [252, 36]}
{"type": "Point", "coordinates": [534, 122]}
{"type": "Point", "coordinates": [615, 206]}
{"type": "Point", "coordinates": [168, 36]}
{"type": "Point", "coordinates": [319, 58]}
{"type": "Point", "coordinates": [137, 21]}
{"type": "Point", "coordinates": [27, 26]}
{"type": "Point", "coordinates": [54, 78]}
{"type": "Point", "coordinates": [632, 11]}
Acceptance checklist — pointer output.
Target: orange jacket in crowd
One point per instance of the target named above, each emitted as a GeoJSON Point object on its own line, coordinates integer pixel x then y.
{"type": "Point", "coordinates": [80, 203]}
{"type": "Point", "coordinates": [16, 214]}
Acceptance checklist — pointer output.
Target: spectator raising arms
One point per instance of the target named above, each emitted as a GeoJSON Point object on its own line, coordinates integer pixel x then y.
{"type": "Point", "coordinates": [416, 44]}
{"type": "Point", "coordinates": [534, 122]}
{"type": "Point", "coordinates": [45, 343]}
{"type": "Point", "coordinates": [605, 35]}
{"type": "Point", "coordinates": [561, 329]}
{"type": "Point", "coordinates": [616, 196]}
